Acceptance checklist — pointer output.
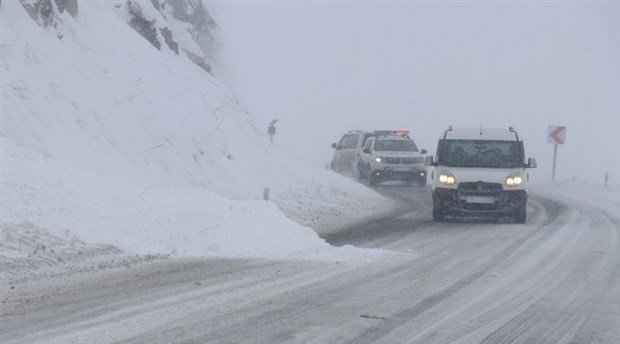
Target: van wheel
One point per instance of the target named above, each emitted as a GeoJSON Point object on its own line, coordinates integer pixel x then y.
{"type": "Point", "coordinates": [438, 215]}
{"type": "Point", "coordinates": [520, 216]}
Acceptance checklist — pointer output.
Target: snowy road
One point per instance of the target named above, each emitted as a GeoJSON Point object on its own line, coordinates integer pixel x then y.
{"type": "Point", "coordinates": [554, 280]}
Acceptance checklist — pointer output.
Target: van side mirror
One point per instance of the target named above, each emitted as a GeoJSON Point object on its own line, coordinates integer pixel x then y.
{"type": "Point", "coordinates": [531, 163]}
{"type": "Point", "coordinates": [423, 151]}
{"type": "Point", "coordinates": [366, 150]}
{"type": "Point", "coordinates": [428, 161]}
{"type": "Point", "coordinates": [334, 146]}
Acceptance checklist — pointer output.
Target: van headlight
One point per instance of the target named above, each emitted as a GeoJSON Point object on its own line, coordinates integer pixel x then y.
{"type": "Point", "coordinates": [378, 159]}
{"type": "Point", "coordinates": [514, 179]}
{"type": "Point", "coordinates": [446, 177]}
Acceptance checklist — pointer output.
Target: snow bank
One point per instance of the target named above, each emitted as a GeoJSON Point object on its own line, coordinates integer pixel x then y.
{"type": "Point", "coordinates": [599, 195]}
{"type": "Point", "coordinates": [108, 141]}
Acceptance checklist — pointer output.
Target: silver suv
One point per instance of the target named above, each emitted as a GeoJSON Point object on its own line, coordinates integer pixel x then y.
{"type": "Point", "coordinates": [347, 152]}
{"type": "Point", "coordinates": [392, 155]}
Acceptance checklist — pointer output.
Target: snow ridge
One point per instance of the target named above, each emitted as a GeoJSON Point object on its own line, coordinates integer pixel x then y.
{"type": "Point", "coordinates": [108, 141]}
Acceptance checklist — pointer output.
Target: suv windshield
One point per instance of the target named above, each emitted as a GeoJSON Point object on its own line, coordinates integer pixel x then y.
{"type": "Point", "coordinates": [395, 146]}
{"type": "Point", "coordinates": [476, 153]}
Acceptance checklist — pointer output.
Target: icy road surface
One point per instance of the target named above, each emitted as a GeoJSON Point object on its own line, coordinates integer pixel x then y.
{"type": "Point", "coordinates": [554, 280]}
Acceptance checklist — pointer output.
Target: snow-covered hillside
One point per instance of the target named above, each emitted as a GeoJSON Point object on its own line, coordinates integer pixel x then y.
{"type": "Point", "coordinates": [110, 139]}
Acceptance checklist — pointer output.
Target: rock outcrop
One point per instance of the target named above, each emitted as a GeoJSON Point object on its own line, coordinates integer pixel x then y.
{"type": "Point", "coordinates": [182, 26]}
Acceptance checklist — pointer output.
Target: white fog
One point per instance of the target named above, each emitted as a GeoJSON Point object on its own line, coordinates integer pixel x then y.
{"type": "Point", "coordinates": [143, 201]}
{"type": "Point", "coordinates": [326, 68]}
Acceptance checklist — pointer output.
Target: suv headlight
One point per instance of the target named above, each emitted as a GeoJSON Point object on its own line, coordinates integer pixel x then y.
{"type": "Point", "coordinates": [378, 159]}
{"type": "Point", "coordinates": [446, 177]}
{"type": "Point", "coordinates": [514, 179]}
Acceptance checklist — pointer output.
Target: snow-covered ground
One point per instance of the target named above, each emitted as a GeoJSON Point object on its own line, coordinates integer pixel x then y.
{"type": "Point", "coordinates": [597, 195]}
{"type": "Point", "coordinates": [552, 280]}
{"type": "Point", "coordinates": [113, 148]}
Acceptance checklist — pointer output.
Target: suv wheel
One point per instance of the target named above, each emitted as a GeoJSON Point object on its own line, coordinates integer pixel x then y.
{"type": "Point", "coordinates": [422, 181]}
{"type": "Point", "coordinates": [372, 179]}
{"type": "Point", "coordinates": [360, 175]}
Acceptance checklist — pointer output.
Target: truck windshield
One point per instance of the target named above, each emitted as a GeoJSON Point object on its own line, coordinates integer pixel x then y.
{"type": "Point", "coordinates": [395, 146]}
{"type": "Point", "coordinates": [477, 153]}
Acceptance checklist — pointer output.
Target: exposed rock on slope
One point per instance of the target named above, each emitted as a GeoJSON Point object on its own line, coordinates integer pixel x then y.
{"type": "Point", "coordinates": [45, 12]}
{"type": "Point", "coordinates": [107, 142]}
{"type": "Point", "coordinates": [202, 24]}
{"type": "Point", "coordinates": [183, 26]}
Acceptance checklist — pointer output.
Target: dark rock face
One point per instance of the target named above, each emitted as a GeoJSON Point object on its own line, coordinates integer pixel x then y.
{"type": "Point", "coordinates": [41, 11]}
{"type": "Point", "coordinates": [144, 27]}
{"type": "Point", "coordinates": [199, 61]}
{"type": "Point", "coordinates": [71, 6]}
{"type": "Point", "coordinates": [174, 46]}
{"type": "Point", "coordinates": [156, 5]}
{"type": "Point", "coordinates": [45, 12]}
{"type": "Point", "coordinates": [194, 13]}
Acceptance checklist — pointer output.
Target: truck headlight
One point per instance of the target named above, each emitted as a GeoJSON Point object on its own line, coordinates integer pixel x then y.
{"type": "Point", "coordinates": [514, 179]}
{"type": "Point", "coordinates": [378, 159]}
{"type": "Point", "coordinates": [446, 177]}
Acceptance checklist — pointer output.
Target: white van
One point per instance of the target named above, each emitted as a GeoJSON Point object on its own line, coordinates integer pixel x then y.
{"type": "Point", "coordinates": [479, 172]}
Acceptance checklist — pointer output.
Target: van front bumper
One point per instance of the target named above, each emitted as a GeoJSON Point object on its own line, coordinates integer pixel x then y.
{"type": "Point", "coordinates": [479, 201]}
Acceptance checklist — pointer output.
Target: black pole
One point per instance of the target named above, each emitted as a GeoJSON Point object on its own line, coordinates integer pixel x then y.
{"type": "Point", "coordinates": [555, 156]}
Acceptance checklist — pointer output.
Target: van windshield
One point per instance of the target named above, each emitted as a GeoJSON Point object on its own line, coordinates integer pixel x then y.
{"type": "Point", "coordinates": [478, 153]}
{"type": "Point", "coordinates": [395, 146]}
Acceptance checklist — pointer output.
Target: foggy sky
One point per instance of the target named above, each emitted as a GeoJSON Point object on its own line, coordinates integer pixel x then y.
{"type": "Point", "coordinates": [325, 68]}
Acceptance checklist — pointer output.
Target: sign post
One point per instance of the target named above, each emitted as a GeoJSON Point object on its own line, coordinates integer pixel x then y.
{"type": "Point", "coordinates": [606, 180]}
{"type": "Point", "coordinates": [557, 136]}
{"type": "Point", "coordinates": [271, 130]}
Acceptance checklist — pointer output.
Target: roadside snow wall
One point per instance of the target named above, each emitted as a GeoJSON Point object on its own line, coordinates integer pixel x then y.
{"type": "Point", "coordinates": [107, 139]}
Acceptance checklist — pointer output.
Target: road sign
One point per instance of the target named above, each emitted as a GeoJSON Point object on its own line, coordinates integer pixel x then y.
{"type": "Point", "coordinates": [557, 135]}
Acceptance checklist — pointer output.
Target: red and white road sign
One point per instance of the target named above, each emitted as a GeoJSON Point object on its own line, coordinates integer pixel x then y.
{"type": "Point", "coordinates": [556, 135]}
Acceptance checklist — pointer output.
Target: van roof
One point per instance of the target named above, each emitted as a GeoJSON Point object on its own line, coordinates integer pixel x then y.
{"type": "Point", "coordinates": [480, 134]}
